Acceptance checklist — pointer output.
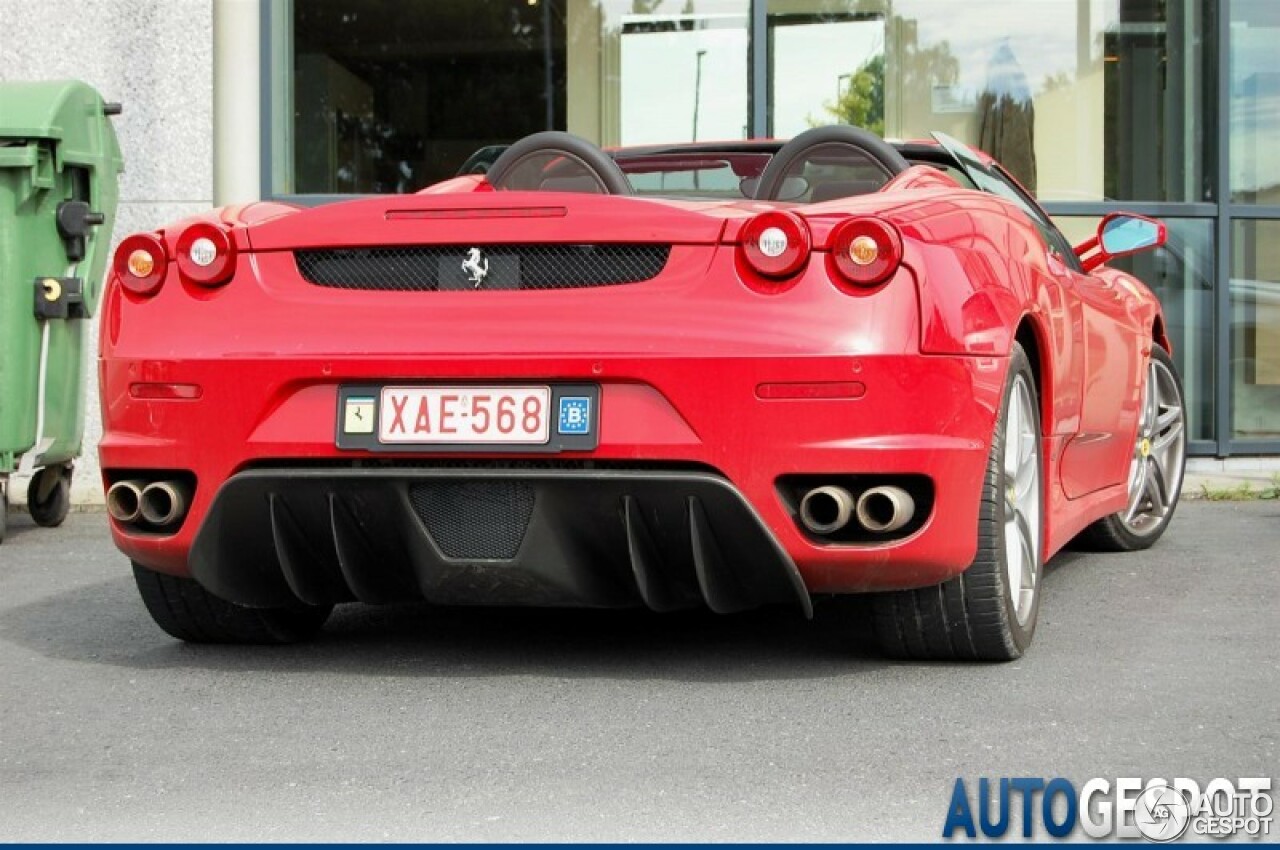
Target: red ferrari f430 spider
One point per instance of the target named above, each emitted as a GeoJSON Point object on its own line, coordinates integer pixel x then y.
{"type": "Point", "coordinates": [720, 375]}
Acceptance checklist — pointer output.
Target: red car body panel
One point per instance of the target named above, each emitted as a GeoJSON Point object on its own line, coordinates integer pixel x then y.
{"type": "Point", "coordinates": [680, 359]}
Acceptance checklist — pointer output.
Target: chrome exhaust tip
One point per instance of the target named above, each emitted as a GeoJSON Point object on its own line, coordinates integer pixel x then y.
{"type": "Point", "coordinates": [885, 509]}
{"type": "Point", "coordinates": [124, 501]}
{"type": "Point", "coordinates": [826, 509]}
{"type": "Point", "coordinates": [164, 502]}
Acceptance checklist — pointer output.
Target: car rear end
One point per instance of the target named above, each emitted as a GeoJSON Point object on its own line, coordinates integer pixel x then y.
{"type": "Point", "coordinates": [535, 398]}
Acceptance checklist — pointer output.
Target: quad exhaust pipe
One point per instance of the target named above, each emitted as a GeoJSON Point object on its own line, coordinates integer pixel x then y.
{"type": "Point", "coordinates": [160, 504]}
{"type": "Point", "coordinates": [880, 510]}
{"type": "Point", "coordinates": [885, 509]}
{"type": "Point", "coordinates": [164, 503]}
{"type": "Point", "coordinates": [826, 509]}
{"type": "Point", "coordinates": [124, 501]}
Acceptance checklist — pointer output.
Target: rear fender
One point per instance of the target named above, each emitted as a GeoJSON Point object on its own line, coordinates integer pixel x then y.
{"type": "Point", "coordinates": [979, 269]}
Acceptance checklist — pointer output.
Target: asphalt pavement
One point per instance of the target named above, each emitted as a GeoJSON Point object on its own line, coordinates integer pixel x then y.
{"type": "Point", "coordinates": [422, 724]}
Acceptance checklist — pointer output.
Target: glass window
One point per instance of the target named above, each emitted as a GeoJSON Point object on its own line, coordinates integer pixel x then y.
{"type": "Point", "coordinates": [1255, 330]}
{"type": "Point", "coordinates": [1079, 99]}
{"type": "Point", "coordinates": [1181, 275]}
{"type": "Point", "coordinates": [389, 97]}
{"type": "Point", "coordinates": [825, 65]}
{"type": "Point", "coordinates": [682, 70]}
{"type": "Point", "coordinates": [382, 96]}
{"type": "Point", "coordinates": [1255, 102]}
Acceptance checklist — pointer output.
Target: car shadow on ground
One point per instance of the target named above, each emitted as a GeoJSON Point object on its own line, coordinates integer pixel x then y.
{"type": "Point", "coordinates": [105, 623]}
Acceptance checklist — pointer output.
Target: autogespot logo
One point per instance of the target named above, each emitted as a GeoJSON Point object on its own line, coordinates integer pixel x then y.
{"type": "Point", "coordinates": [1157, 810]}
{"type": "Point", "coordinates": [1162, 813]}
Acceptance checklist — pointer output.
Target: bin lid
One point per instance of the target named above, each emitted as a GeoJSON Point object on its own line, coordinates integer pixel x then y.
{"type": "Point", "coordinates": [68, 111]}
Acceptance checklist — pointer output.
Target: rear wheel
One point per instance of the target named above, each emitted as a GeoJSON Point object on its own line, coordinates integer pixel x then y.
{"type": "Point", "coordinates": [190, 613]}
{"type": "Point", "coordinates": [1155, 472]}
{"type": "Point", "coordinates": [989, 611]}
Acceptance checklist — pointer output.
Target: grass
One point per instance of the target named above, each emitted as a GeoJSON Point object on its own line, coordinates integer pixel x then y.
{"type": "Point", "coordinates": [1244, 492]}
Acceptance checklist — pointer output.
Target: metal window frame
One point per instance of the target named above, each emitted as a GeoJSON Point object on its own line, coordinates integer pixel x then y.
{"type": "Point", "coordinates": [1155, 209]}
{"type": "Point", "coordinates": [1223, 212]}
{"type": "Point", "coordinates": [1230, 212]}
{"type": "Point", "coordinates": [1254, 211]}
{"type": "Point", "coordinates": [1222, 287]}
{"type": "Point", "coordinates": [758, 72]}
{"type": "Point", "coordinates": [265, 128]}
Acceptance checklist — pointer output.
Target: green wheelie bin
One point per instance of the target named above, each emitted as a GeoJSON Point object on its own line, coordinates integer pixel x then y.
{"type": "Point", "coordinates": [59, 172]}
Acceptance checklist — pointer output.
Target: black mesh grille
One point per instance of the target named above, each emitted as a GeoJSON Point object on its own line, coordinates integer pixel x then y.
{"type": "Point", "coordinates": [453, 267]}
{"type": "Point", "coordinates": [481, 520]}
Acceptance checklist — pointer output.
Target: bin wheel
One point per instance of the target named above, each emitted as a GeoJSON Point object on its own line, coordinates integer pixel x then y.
{"type": "Point", "coordinates": [49, 496]}
{"type": "Point", "coordinates": [4, 508]}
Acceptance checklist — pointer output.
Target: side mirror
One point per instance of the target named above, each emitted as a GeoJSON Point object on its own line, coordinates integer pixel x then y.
{"type": "Point", "coordinates": [1119, 235]}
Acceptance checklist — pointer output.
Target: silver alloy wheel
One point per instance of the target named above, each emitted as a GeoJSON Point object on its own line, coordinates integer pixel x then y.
{"type": "Point", "coordinates": [1155, 473]}
{"type": "Point", "coordinates": [1022, 500]}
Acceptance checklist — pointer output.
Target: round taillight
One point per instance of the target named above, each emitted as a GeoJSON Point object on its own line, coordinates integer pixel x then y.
{"type": "Point", "coordinates": [865, 251]}
{"type": "Point", "coordinates": [206, 254]}
{"type": "Point", "coordinates": [775, 245]}
{"type": "Point", "coordinates": [140, 264]}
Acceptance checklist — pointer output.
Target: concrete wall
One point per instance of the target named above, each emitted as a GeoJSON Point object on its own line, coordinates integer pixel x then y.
{"type": "Point", "coordinates": [155, 57]}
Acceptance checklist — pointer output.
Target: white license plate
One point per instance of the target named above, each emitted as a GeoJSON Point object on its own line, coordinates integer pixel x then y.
{"type": "Point", "coordinates": [423, 415]}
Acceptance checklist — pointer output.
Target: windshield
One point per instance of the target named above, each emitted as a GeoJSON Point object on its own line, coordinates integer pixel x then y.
{"type": "Point", "coordinates": [986, 179]}
{"type": "Point", "coordinates": [995, 182]}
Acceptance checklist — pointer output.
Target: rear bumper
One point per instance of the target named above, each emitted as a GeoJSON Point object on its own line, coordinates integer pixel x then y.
{"type": "Point", "coordinates": [919, 415]}
{"type": "Point", "coordinates": [461, 536]}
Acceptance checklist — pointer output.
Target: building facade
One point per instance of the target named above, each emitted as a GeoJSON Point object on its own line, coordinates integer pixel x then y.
{"type": "Point", "coordinates": [1165, 107]}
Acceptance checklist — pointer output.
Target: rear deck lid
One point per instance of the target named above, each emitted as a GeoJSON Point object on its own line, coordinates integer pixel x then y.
{"type": "Point", "coordinates": [488, 218]}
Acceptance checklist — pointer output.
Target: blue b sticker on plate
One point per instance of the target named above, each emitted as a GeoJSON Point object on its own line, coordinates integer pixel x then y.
{"type": "Point", "coordinates": [575, 415]}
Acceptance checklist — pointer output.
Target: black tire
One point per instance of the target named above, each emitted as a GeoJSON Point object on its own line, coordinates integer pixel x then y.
{"type": "Point", "coordinates": [55, 484]}
{"type": "Point", "coordinates": [188, 612]}
{"type": "Point", "coordinates": [972, 616]}
{"type": "Point", "coordinates": [4, 509]}
{"type": "Point", "coordinates": [1111, 534]}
